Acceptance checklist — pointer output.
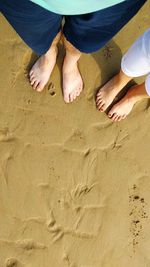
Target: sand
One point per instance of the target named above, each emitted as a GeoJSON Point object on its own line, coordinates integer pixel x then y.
{"type": "Point", "coordinates": [74, 187]}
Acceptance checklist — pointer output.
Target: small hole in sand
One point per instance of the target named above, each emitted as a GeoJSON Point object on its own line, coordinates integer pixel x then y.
{"type": "Point", "coordinates": [52, 93]}
{"type": "Point", "coordinates": [29, 101]}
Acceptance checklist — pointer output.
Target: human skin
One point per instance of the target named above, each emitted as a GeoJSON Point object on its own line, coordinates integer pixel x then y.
{"type": "Point", "coordinates": [108, 92]}
{"type": "Point", "coordinates": [42, 69]}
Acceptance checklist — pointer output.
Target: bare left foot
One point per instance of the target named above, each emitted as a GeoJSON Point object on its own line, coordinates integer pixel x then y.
{"type": "Point", "coordinates": [42, 69]}
{"type": "Point", "coordinates": [72, 81]}
{"type": "Point", "coordinates": [120, 110]}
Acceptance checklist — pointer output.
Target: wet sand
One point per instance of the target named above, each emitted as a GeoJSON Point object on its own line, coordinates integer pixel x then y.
{"type": "Point", "coordinates": [74, 187]}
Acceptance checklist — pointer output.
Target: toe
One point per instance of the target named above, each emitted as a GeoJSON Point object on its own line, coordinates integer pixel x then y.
{"type": "Point", "coordinates": [66, 98]}
{"type": "Point", "coordinates": [33, 81]}
{"type": "Point", "coordinates": [78, 93]}
{"type": "Point", "coordinates": [102, 109]}
{"type": "Point", "coordinates": [98, 98]}
{"type": "Point", "coordinates": [31, 76]}
{"type": "Point", "coordinates": [120, 118]}
{"type": "Point", "coordinates": [40, 87]}
{"type": "Point", "coordinates": [114, 115]}
{"type": "Point", "coordinates": [35, 85]}
{"type": "Point", "coordinates": [117, 118]}
{"type": "Point", "coordinates": [71, 96]}
{"type": "Point", "coordinates": [101, 105]}
{"type": "Point", "coordinates": [99, 94]}
{"type": "Point", "coordinates": [74, 96]}
{"type": "Point", "coordinates": [110, 114]}
{"type": "Point", "coordinates": [98, 103]}
{"type": "Point", "coordinates": [31, 73]}
{"type": "Point", "coordinates": [123, 117]}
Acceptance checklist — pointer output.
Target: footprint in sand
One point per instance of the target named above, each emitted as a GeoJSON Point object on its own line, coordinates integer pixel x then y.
{"type": "Point", "coordinates": [76, 203]}
{"type": "Point", "coordinates": [107, 51]}
{"type": "Point", "coordinates": [75, 141]}
{"type": "Point", "coordinates": [12, 262]}
{"type": "Point", "coordinates": [54, 228]}
{"type": "Point", "coordinates": [137, 214]}
{"type": "Point", "coordinates": [66, 259]}
{"type": "Point", "coordinates": [19, 51]}
{"type": "Point", "coordinates": [51, 89]}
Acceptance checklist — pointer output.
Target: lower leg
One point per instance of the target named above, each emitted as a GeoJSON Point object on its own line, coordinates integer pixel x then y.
{"type": "Point", "coordinates": [125, 105]}
{"type": "Point", "coordinates": [72, 81]}
{"type": "Point", "coordinates": [42, 69]}
{"type": "Point", "coordinates": [108, 92]}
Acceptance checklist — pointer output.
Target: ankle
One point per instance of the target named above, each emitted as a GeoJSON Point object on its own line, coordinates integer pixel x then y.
{"type": "Point", "coordinates": [72, 58]}
{"type": "Point", "coordinates": [70, 63]}
{"type": "Point", "coordinates": [120, 81]}
{"type": "Point", "coordinates": [123, 78]}
{"type": "Point", "coordinates": [52, 52]}
{"type": "Point", "coordinates": [133, 95]}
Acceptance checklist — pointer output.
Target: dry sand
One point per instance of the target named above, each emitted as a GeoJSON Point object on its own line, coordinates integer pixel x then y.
{"type": "Point", "coordinates": [74, 187]}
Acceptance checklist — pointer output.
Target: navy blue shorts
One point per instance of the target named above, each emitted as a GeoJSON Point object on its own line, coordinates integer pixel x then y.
{"type": "Point", "coordinates": [38, 26]}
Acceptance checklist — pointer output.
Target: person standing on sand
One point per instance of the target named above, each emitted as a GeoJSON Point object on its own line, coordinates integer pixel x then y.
{"type": "Point", "coordinates": [89, 25]}
{"type": "Point", "coordinates": [135, 63]}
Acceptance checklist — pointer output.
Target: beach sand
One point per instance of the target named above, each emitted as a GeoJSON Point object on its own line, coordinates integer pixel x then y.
{"type": "Point", "coordinates": [74, 187]}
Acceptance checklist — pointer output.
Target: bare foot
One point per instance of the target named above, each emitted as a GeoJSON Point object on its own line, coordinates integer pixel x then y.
{"type": "Point", "coordinates": [42, 69]}
{"type": "Point", "coordinates": [72, 81]}
{"type": "Point", "coordinates": [108, 92]}
{"type": "Point", "coordinates": [125, 105]}
{"type": "Point", "coordinates": [121, 109]}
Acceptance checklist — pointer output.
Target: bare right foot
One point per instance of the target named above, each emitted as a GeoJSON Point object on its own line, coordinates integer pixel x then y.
{"type": "Point", "coordinates": [120, 110]}
{"type": "Point", "coordinates": [42, 69]}
{"type": "Point", "coordinates": [108, 92]}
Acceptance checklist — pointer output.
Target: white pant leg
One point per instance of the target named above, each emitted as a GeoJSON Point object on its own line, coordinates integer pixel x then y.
{"type": "Point", "coordinates": [136, 62]}
{"type": "Point", "coordinates": [147, 84]}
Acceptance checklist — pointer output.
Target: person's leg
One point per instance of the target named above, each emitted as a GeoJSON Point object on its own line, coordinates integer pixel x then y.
{"type": "Point", "coordinates": [88, 33]}
{"type": "Point", "coordinates": [40, 30]}
{"type": "Point", "coordinates": [72, 81]}
{"type": "Point", "coordinates": [134, 63]}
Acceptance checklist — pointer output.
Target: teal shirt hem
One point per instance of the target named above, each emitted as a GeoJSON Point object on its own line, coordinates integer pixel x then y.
{"type": "Point", "coordinates": [75, 7]}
